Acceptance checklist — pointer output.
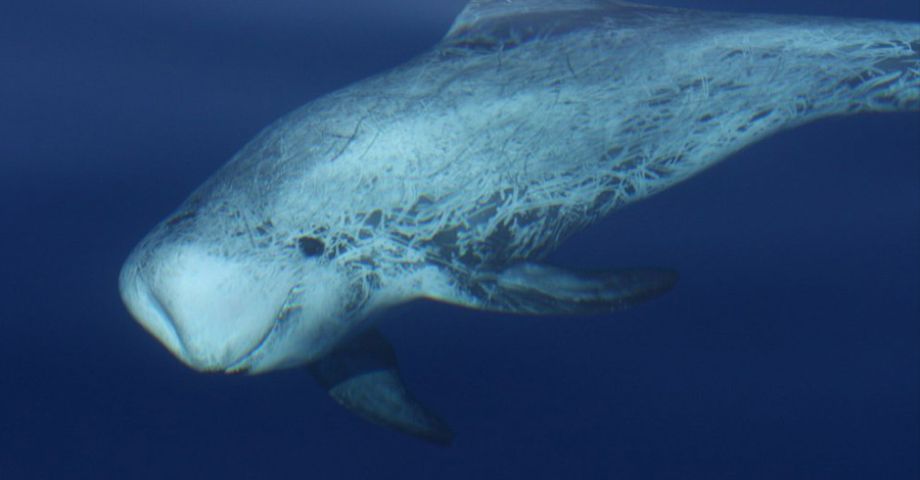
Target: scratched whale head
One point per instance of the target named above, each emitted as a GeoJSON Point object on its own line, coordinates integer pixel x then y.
{"type": "Point", "coordinates": [210, 306]}
{"type": "Point", "coordinates": [225, 286]}
{"type": "Point", "coordinates": [284, 251]}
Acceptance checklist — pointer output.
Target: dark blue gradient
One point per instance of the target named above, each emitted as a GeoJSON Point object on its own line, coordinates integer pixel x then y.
{"type": "Point", "coordinates": [790, 348]}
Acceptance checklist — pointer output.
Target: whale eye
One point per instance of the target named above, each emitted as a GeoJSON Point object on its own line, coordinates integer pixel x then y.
{"type": "Point", "coordinates": [310, 247]}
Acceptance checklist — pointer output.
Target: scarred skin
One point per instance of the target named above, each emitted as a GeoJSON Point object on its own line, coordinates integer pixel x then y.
{"type": "Point", "coordinates": [527, 123]}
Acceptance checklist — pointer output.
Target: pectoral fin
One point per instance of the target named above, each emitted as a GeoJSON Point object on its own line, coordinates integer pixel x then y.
{"type": "Point", "coordinates": [363, 376]}
{"type": "Point", "coordinates": [540, 289]}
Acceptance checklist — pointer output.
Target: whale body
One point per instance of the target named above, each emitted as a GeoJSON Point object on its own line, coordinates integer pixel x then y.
{"type": "Point", "coordinates": [450, 177]}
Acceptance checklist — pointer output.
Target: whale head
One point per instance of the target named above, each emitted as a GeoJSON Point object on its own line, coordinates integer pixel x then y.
{"type": "Point", "coordinates": [225, 290]}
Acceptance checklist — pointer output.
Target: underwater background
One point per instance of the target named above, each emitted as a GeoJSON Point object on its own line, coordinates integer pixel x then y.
{"type": "Point", "coordinates": [790, 348]}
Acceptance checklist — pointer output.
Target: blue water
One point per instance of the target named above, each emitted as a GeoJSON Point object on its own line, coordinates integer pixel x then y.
{"type": "Point", "coordinates": [789, 349]}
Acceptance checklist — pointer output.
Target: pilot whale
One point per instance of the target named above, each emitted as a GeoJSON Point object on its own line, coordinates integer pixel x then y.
{"type": "Point", "coordinates": [450, 177]}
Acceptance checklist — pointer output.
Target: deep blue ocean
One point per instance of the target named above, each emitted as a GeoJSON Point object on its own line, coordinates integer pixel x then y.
{"type": "Point", "coordinates": [789, 349]}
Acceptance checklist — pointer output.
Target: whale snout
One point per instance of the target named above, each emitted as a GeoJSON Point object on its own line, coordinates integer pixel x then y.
{"type": "Point", "coordinates": [210, 312]}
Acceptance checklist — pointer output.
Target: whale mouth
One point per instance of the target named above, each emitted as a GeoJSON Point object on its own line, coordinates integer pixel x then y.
{"type": "Point", "coordinates": [181, 350]}
{"type": "Point", "coordinates": [245, 363]}
{"type": "Point", "coordinates": [156, 317]}
{"type": "Point", "coordinates": [279, 328]}
{"type": "Point", "coordinates": [151, 313]}
{"type": "Point", "coordinates": [168, 325]}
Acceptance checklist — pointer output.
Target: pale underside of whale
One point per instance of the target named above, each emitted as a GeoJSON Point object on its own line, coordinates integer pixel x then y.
{"type": "Point", "coordinates": [449, 177]}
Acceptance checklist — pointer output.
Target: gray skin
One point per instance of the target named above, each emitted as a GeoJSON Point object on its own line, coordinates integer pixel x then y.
{"type": "Point", "coordinates": [449, 177]}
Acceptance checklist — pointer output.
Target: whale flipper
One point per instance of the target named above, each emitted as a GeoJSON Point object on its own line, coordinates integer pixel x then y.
{"type": "Point", "coordinates": [363, 376]}
{"type": "Point", "coordinates": [530, 288]}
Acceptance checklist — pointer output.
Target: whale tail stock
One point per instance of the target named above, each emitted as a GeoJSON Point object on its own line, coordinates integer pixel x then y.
{"type": "Point", "coordinates": [826, 65]}
{"type": "Point", "coordinates": [885, 76]}
{"type": "Point", "coordinates": [735, 79]}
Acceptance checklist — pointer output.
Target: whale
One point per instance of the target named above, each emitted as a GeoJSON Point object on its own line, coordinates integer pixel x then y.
{"type": "Point", "coordinates": [450, 178]}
